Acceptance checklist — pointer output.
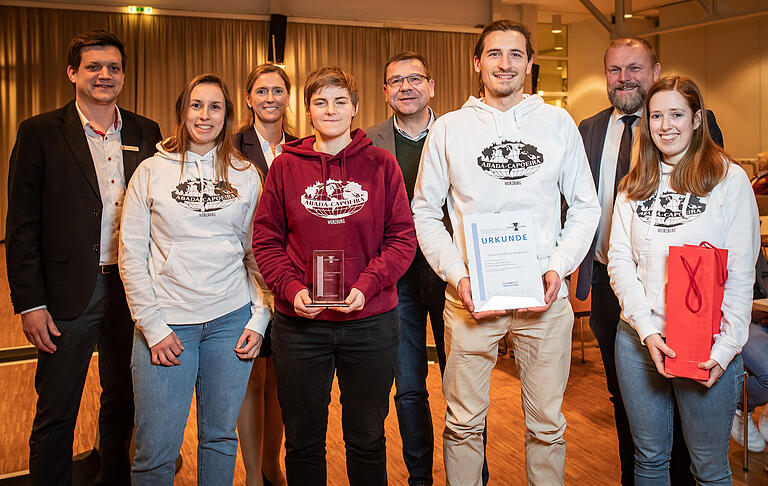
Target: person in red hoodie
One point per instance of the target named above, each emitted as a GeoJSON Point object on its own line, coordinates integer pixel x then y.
{"type": "Point", "coordinates": [334, 191]}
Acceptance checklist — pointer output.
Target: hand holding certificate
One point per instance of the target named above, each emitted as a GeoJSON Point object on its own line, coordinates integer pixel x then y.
{"type": "Point", "coordinates": [503, 263]}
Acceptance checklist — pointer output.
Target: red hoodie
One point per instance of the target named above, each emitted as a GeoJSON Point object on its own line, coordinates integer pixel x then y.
{"type": "Point", "coordinates": [353, 201]}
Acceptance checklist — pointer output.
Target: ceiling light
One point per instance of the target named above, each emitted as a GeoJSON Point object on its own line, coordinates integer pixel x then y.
{"type": "Point", "coordinates": [557, 24]}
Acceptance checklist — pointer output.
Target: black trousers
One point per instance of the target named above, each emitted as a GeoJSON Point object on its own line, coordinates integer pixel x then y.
{"type": "Point", "coordinates": [604, 318]}
{"type": "Point", "coordinates": [362, 354]}
{"type": "Point", "coordinates": [105, 324]}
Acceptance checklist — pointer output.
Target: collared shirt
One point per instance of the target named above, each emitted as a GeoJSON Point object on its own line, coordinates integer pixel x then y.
{"type": "Point", "coordinates": [607, 177]}
{"type": "Point", "coordinates": [267, 149]}
{"type": "Point", "coordinates": [421, 134]}
{"type": "Point", "coordinates": [107, 154]}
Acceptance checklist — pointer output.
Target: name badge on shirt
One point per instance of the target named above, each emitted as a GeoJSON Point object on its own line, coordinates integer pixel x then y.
{"type": "Point", "coordinates": [129, 148]}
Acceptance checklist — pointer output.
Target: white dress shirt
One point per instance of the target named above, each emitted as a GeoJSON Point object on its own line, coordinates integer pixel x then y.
{"type": "Point", "coordinates": [107, 154]}
{"type": "Point", "coordinates": [265, 147]}
{"type": "Point", "coordinates": [421, 134]}
{"type": "Point", "coordinates": [607, 177]}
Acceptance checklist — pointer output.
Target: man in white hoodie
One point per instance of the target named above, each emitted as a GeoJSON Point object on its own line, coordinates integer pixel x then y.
{"type": "Point", "coordinates": [545, 158]}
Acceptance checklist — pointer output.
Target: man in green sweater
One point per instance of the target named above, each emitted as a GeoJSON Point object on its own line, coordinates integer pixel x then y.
{"type": "Point", "coordinates": [408, 88]}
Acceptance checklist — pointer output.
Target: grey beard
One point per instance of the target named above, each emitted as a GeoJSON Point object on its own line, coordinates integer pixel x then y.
{"type": "Point", "coordinates": [627, 104]}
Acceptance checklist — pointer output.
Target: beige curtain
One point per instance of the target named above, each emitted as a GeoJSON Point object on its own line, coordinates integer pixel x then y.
{"type": "Point", "coordinates": [165, 52]}
{"type": "Point", "coordinates": [363, 51]}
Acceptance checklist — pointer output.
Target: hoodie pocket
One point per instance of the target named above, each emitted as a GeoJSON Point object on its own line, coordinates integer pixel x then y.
{"type": "Point", "coordinates": [201, 269]}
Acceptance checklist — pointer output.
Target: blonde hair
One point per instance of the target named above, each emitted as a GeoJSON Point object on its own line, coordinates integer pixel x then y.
{"type": "Point", "coordinates": [252, 78]}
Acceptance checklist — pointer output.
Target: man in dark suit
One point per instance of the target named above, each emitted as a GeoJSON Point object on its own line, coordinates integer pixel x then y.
{"type": "Point", "coordinates": [408, 88]}
{"type": "Point", "coordinates": [68, 172]}
{"type": "Point", "coordinates": [631, 67]}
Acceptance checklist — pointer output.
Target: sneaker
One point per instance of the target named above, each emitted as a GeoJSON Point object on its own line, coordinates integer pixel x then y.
{"type": "Point", "coordinates": [756, 441]}
{"type": "Point", "coordinates": [763, 423]}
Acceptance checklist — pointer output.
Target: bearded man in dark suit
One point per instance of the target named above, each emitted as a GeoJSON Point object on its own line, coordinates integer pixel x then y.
{"type": "Point", "coordinates": [631, 67]}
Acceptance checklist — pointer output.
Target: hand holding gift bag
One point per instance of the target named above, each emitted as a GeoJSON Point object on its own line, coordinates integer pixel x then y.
{"type": "Point", "coordinates": [696, 282]}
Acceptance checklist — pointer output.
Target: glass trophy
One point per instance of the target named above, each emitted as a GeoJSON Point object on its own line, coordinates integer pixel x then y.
{"type": "Point", "coordinates": [328, 279]}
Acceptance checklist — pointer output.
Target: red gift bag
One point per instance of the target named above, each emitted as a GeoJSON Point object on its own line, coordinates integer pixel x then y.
{"type": "Point", "coordinates": [695, 285]}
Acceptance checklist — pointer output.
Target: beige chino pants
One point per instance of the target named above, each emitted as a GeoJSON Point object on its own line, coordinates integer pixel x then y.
{"type": "Point", "coordinates": [543, 354]}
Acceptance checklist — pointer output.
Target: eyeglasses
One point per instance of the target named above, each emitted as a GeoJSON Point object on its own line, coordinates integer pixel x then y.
{"type": "Point", "coordinates": [414, 80]}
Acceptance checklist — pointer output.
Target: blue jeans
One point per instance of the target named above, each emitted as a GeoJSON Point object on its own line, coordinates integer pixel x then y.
{"type": "Point", "coordinates": [706, 414]}
{"type": "Point", "coordinates": [604, 317]}
{"type": "Point", "coordinates": [755, 354]}
{"type": "Point", "coordinates": [307, 354]}
{"type": "Point", "coordinates": [210, 367]}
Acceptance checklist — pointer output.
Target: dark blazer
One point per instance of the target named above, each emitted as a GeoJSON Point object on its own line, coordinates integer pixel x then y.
{"type": "Point", "coordinates": [383, 135]}
{"type": "Point", "coordinates": [431, 288]}
{"type": "Point", "coordinates": [247, 142]}
{"type": "Point", "coordinates": [593, 131]}
{"type": "Point", "coordinates": [53, 228]}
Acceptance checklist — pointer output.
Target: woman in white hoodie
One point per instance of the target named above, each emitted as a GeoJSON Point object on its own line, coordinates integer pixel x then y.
{"type": "Point", "coordinates": [191, 283]}
{"type": "Point", "coordinates": [682, 189]}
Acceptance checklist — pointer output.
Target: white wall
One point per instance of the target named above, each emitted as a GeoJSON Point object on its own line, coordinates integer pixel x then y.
{"type": "Point", "coordinates": [729, 61]}
{"type": "Point", "coordinates": [586, 78]}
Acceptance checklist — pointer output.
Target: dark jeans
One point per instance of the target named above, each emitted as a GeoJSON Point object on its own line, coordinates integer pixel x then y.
{"type": "Point", "coordinates": [411, 398]}
{"type": "Point", "coordinates": [604, 318]}
{"type": "Point", "coordinates": [362, 353]}
{"type": "Point", "coordinates": [105, 324]}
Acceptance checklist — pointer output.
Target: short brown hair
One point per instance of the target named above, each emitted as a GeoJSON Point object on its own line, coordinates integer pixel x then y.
{"type": "Point", "coordinates": [503, 25]}
{"type": "Point", "coordinates": [631, 42]}
{"type": "Point", "coordinates": [330, 76]}
{"type": "Point", "coordinates": [92, 38]}
{"type": "Point", "coordinates": [406, 56]}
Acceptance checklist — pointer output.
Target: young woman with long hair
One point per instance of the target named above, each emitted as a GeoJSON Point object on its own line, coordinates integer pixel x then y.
{"type": "Point", "coordinates": [682, 189]}
{"type": "Point", "coordinates": [260, 140]}
{"type": "Point", "coordinates": [191, 283]}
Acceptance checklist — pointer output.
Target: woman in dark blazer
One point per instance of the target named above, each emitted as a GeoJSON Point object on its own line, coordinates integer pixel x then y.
{"type": "Point", "coordinates": [260, 424]}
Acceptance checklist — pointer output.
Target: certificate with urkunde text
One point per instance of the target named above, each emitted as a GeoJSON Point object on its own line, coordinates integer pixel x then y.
{"type": "Point", "coordinates": [503, 261]}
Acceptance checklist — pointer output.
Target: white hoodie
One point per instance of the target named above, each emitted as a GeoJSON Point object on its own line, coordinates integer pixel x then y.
{"type": "Point", "coordinates": [482, 160]}
{"type": "Point", "coordinates": [643, 231]}
{"type": "Point", "coordinates": [185, 246]}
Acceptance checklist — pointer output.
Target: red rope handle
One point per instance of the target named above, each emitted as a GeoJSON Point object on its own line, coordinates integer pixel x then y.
{"type": "Point", "coordinates": [692, 285]}
{"type": "Point", "coordinates": [723, 273]}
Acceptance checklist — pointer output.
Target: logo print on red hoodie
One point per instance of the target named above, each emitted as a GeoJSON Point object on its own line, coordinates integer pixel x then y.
{"type": "Point", "coordinates": [205, 196]}
{"type": "Point", "coordinates": [334, 199]}
{"type": "Point", "coordinates": [510, 160]}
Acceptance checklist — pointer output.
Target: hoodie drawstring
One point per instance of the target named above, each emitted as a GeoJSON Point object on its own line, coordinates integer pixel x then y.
{"type": "Point", "coordinates": [323, 169]}
{"type": "Point", "coordinates": [200, 178]}
{"type": "Point", "coordinates": [654, 208]}
{"type": "Point", "coordinates": [684, 209]}
{"type": "Point", "coordinates": [344, 167]}
{"type": "Point", "coordinates": [496, 125]}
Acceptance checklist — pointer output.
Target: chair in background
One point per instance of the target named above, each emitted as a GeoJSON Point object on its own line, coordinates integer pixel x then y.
{"type": "Point", "coordinates": [580, 308]}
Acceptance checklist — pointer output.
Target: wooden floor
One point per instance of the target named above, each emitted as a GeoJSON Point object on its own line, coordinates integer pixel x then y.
{"type": "Point", "coordinates": [591, 457]}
